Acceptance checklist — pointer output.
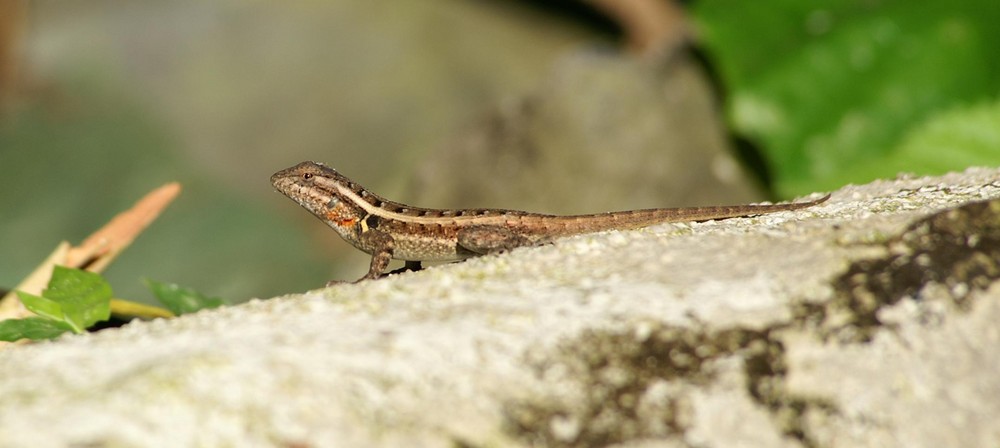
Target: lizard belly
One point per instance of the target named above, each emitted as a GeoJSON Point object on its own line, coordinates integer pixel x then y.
{"type": "Point", "coordinates": [427, 248]}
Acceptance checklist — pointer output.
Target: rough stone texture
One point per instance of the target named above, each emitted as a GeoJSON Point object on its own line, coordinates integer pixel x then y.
{"type": "Point", "coordinates": [869, 320]}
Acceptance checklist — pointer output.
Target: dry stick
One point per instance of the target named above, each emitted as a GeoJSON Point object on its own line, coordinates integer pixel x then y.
{"type": "Point", "coordinates": [97, 251]}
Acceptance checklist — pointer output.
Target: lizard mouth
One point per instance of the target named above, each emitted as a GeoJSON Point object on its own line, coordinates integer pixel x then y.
{"type": "Point", "coordinates": [280, 179]}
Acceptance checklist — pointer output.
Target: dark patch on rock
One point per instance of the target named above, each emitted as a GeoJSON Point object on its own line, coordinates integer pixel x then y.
{"type": "Point", "coordinates": [958, 249]}
{"type": "Point", "coordinates": [613, 374]}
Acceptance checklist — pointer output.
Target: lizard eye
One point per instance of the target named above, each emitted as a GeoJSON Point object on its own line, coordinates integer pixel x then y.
{"type": "Point", "coordinates": [307, 176]}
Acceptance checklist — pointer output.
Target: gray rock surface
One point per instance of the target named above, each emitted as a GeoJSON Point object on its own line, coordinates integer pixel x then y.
{"type": "Point", "coordinates": [867, 321]}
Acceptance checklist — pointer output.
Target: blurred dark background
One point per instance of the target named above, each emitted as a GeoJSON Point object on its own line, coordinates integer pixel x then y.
{"type": "Point", "coordinates": [553, 106]}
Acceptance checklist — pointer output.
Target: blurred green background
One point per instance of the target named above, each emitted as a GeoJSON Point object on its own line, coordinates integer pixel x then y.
{"type": "Point", "coordinates": [104, 100]}
{"type": "Point", "coordinates": [841, 92]}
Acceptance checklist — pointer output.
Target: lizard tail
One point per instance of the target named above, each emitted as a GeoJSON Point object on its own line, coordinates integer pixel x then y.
{"type": "Point", "coordinates": [635, 219]}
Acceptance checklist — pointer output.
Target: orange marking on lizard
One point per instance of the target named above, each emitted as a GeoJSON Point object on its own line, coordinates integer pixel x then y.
{"type": "Point", "coordinates": [339, 220]}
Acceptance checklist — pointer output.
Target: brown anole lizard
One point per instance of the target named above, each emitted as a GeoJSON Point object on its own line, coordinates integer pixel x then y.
{"type": "Point", "coordinates": [390, 230]}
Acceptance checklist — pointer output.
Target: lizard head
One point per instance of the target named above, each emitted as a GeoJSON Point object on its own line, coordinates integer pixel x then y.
{"type": "Point", "coordinates": [331, 196]}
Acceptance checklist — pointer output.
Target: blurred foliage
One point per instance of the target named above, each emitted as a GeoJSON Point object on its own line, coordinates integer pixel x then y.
{"type": "Point", "coordinates": [76, 300]}
{"type": "Point", "coordinates": [180, 300]}
{"type": "Point", "coordinates": [73, 301]}
{"type": "Point", "coordinates": [845, 91]}
{"type": "Point", "coordinates": [89, 152]}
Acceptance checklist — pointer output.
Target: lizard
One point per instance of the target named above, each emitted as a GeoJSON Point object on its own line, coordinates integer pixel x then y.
{"type": "Point", "coordinates": [391, 230]}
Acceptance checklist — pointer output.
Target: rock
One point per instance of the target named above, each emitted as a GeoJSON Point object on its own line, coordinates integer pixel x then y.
{"type": "Point", "coordinates": [868, 320]}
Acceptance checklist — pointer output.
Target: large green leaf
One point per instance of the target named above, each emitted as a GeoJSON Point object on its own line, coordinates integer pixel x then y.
{"type": "Point", "coordinates": [826, 87]}
{"type": "Point", "coordinates": [950, 140]}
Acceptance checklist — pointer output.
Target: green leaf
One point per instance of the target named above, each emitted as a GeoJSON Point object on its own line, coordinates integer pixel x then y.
{"type": "Point", "coordinates": [949, 141]}
{"type": "Point", "coordinates": [31, 328]}
{"type": "Point", "coordinates": [830, 86]}
{"type": "Point", "coordinates": [953, 139]}
{"type": "Point", "coordinates": [85, 297]}
{"type": "Point", "coordinates": [74, 299]}
{"type": "Point", "coordinates": [41, 306]}
{"type": "Point", "coordinates": [180, 300]}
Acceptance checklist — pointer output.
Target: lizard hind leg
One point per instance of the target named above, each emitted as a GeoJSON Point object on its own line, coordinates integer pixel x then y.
{"type": "Point", "coordinates": [483, 240]}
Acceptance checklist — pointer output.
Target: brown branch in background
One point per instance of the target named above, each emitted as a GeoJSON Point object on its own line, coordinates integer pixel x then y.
{"type": "Point", "coordinates": [653, 27]}
{"type": "Point", "coordinates": [13, 14]}
{"type": "Point", "coordinates": [101, 247]}
{"type": "Point", "coordinates": [97, 251]}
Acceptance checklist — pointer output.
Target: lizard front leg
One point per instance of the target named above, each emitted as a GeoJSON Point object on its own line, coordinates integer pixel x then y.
{"type": "Point", "coordinates": [484, 240]}
{"type": "Point", "coordinates": [380, 260]}
{"type": "Point", "coordinates": [382, 246]}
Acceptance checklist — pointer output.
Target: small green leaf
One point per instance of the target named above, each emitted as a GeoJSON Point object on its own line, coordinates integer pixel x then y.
{"type": "Point", "coordinates": [85, 297]}
{"type": "Point", "coordinates": [41, 306]}
{"type": "Point", "coordinates": [31, 328]}
{"type": "Point", "coordinates": [180, 300]}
